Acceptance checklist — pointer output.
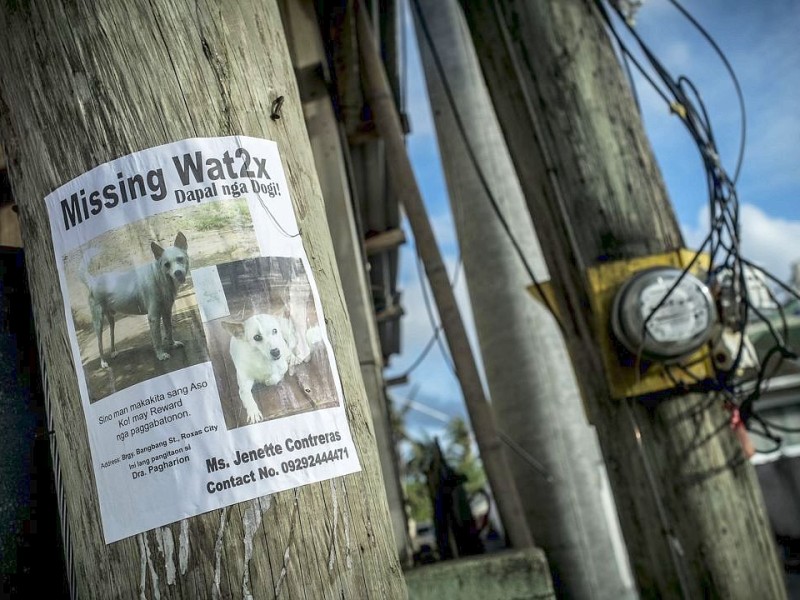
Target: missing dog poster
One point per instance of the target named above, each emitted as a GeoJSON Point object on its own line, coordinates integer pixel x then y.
{"type": "Point", "coordinates": [197, 334]}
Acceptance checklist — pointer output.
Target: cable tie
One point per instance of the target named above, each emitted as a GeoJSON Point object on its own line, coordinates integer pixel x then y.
{"type": "Point", "coordinates": [678, 109]}
{"type": "Point", "coordinates": [712, 155]}
{"type": "Point", "coordinates": [628, 10]}
{"type": "Point", "coordinates": [736, 418]}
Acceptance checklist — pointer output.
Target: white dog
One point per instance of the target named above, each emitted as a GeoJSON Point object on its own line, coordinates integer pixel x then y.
{"type": "Point", "coordinates": [149, 290]}
{"type": "Point", "coordinates": [263, 349]}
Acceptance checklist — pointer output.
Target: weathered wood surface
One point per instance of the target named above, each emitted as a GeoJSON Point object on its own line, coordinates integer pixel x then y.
{"type": "Point", "coordinates": [689, 503]}
{"type": "Point", "coordinates": [84, 83]}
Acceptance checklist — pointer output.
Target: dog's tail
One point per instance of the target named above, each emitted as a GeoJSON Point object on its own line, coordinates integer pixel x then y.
{"type": "Point", "coordinates": [297, 357]}
{"type": "Point", "coordinates": [314, 335]}
{"type": "Point", "coordinates": [83, 271]}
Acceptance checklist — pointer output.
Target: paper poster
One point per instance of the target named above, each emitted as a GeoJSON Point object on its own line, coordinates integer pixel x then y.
{"type": "Point", "coordinates": [197, 334]}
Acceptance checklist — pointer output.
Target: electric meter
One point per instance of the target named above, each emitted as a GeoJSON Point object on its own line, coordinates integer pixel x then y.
{"type": "Point", "coordinates": [660, 324]}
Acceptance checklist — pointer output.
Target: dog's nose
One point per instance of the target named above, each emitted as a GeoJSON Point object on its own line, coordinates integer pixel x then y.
{"type": "Point", "coordinates": [180, 276]}
{"type": "Point", "coordinates": [275, 353]}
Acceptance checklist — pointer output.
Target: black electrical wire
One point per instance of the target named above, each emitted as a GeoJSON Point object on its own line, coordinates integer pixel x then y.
{"type": "Point", "coordinates": [772, 277]}
{"type": "Point", "coordinates": [437, 327]}
{"type": "Point", "coordinates": [778, 426]}
{"type": "Point", "coordinates": [780, 350]}
{"type": "Point", "coordinates": [418, 361]}
{"type": "Point", "coordinates": [734, 78]}
{"type": "Point", "coordinates": [626, 52]}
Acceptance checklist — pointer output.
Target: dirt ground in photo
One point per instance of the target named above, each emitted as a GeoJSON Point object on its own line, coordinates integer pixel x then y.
{"type": "Point", "coordinates": [136, 359]}
{"type": "Point", "coordinates": [216, 232]}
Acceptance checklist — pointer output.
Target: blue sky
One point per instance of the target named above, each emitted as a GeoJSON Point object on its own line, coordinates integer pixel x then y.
{"type": "Point", "coordinates": [759, 38]}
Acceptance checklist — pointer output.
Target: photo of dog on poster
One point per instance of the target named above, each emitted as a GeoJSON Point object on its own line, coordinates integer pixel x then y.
{"type": "Point", "coordinates": [134, 310]}
{"type": "Point", "coordinates": [265, 341]}
{"type": "Point", "coordinates": [132, 297]}
{"type": "Point", "coordinates": [149, 289]}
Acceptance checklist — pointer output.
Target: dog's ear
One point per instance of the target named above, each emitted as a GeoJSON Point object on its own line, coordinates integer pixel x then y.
{"type": "Point", "coordinates": [234, 328]}
{"type": "Point", "coordinates": [180, 242]}
{"type": "Point", "coordinates": [157, 250]}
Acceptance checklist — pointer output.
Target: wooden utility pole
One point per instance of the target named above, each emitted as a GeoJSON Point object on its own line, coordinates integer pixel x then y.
{"type": "Point", "coordinates": [404, 185]}
{"type": "Point", "coordinates": [83, 84]}
{"type": "Point", "coordinates": [690, 507]}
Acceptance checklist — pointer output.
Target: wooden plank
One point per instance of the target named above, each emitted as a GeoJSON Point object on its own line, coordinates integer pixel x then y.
{"type": "Point", "coordinates": [390, 313]}
{"type": "Point", "coordinates": [385, 240]}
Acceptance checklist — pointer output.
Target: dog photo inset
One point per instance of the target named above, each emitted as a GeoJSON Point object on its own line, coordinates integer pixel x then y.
{"type": "Point", "coordinates": [140, 319]}
{"type": "Point", "coordinates": [132, 297]}
{"type": "Point", "coordinates": [265, 341]}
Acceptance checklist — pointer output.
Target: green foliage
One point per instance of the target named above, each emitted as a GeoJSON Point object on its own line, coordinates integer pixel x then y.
{"type": "Point", "coordinates": [459, 454]}
{"type": "Point", "coordinates": [473, 471]}
{"type": "Point", "coordinates": [213, 219]}
{"type": "Point", "coordinates": [242, 211]}
{"type": "Point", "coordinates": [223, 215]}
{"type": "Point", "coordinates": [462, 458]}
{"type": "Point", "coordinates": [419, 502]}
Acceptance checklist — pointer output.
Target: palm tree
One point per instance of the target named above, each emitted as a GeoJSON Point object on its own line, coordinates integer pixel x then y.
{"type": "Point", "coordinates": [459, 436]}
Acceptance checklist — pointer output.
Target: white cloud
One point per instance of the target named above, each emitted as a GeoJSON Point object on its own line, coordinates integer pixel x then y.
{"type": "Point", "coordinates": [771, 242]}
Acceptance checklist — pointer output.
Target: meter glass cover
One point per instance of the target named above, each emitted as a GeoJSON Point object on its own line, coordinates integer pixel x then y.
{"type": "Point", "coordinates": [679, 320]}
{"type": "Point", "coordinates": [683, 315]}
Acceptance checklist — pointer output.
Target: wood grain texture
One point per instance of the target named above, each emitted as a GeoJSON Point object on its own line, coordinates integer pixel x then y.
{"type": "Point", "coordinates": [689, 503]}
{"type": "Point", "coordinates": [84, 83]}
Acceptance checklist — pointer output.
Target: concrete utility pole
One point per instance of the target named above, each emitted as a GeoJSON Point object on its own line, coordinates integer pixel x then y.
{"type": "Point", "coordinates": [533, 388]}
{"type": "Point", "coordinates": [404, 185]}
{"type": "Point", "coordinates": [308, 57]}
{"type": "Point", "coordinates": [690, 507]}
{"type": "Point", "coordinates": [83, 84]}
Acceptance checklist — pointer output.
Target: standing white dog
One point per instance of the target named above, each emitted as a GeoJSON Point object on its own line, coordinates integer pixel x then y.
{"type": "Point", "coordinates": [146, 290]}
{"type": "Point", "coordinates": [263, 349]}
